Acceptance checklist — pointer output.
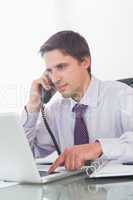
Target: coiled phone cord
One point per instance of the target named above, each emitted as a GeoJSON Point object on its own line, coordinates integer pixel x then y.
{"type": "Point", "coordinates": [49, 130]}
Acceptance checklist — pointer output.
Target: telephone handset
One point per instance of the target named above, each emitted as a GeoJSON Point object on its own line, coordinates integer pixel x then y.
{"type": "Point", "coordinates": [46, 96]}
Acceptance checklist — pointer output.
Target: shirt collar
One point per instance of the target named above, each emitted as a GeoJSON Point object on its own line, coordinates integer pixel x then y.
{"type": "Point", "coordinates": [90, 97]}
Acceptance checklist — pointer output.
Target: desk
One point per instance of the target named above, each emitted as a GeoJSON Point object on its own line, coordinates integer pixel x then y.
{"type": "Point", "coordinates": [73, 188]}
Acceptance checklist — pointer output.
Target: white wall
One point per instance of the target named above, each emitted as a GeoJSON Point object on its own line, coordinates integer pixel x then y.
{"type": "Point", "coordinates": [108, 27]}
{"type": "Point", "coordinates": [25, 25]}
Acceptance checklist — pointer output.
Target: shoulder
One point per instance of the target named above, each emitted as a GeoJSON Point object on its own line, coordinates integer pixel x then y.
{"type": "Point", "coordinates": [115, 88]}
{"type": "Point", "coordinates": [119, 93]}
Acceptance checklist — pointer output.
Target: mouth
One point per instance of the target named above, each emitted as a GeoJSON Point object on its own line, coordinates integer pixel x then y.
{"type": "Point", "coordinates": [62, 87]}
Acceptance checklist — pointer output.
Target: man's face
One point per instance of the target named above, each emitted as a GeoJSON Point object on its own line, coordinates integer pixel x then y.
{"type": "Point", "coordinates": [68, 74]}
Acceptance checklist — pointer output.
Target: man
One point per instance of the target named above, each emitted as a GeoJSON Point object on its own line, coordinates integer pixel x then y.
{"type": "Point", "coordinates": [89, 118]}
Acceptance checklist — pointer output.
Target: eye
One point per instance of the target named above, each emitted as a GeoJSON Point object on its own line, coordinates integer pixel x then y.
{"type": "Point", "coordinates": [61, 66]}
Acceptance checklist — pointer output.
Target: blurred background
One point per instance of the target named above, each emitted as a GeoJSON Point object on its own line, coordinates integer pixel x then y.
{"type": "Point", "coordinates": [26, 24]}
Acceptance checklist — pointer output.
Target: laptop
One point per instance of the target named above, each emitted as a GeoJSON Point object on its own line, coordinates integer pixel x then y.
{"type": "Point", "coordinates": [16, 159]}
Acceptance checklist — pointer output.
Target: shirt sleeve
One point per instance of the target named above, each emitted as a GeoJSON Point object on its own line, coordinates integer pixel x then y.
{"type": "Point", "coordinates": [121, 148]}
{"type": "Point", "coordinates": [36, 133]}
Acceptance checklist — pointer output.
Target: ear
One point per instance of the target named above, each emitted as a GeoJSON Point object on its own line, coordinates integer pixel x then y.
{"type": "Point", "coordinates": [86, 62]}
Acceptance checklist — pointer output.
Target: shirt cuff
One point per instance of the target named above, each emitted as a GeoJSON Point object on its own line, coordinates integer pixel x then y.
{"type": "Point", "coordinates": [28, 119]}
{"type": "Point", "coordinates": [112, 148]}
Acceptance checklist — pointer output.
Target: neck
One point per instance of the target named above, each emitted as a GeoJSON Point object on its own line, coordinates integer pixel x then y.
{"type": "Point", "coordinates": [80, 93]}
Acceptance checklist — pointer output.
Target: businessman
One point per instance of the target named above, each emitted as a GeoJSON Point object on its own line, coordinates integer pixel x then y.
{"type": "Point", "coordinates": [89, 118]}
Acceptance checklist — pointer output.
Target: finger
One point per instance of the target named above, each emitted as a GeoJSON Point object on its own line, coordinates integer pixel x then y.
{"type": "Point", "coordinates": [45, 81]}
{"type": "Point", "coordinates": [79, 163]}
{"type": "Point", "coordinates": [70, 162]}
{"type": "Point", "coordinates": [59, 161]}
{"type": "Point", "coordinates": [67, 162]}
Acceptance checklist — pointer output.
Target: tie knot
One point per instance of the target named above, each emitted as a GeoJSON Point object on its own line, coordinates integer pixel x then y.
{"type": "Point", "coordinates": [79, 109]}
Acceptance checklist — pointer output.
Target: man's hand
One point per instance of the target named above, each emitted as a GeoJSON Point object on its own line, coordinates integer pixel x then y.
{"type": "Point", "coordinates": [34, 103]}
{"type": "Point", "coordinates": [74, 158]}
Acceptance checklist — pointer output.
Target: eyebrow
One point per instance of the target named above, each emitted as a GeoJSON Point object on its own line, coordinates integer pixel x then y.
{"type": "Point", "coordinates": [58, 65]}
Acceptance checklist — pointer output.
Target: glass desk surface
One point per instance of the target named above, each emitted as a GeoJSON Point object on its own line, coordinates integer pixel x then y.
{"type": "Point", "coordinates": [75, 187]}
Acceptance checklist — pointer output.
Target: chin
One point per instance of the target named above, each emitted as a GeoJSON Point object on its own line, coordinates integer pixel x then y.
{"type": "Point", "coordinates": [66, 95]}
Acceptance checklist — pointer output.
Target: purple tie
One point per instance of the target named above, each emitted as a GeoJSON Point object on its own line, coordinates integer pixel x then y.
{"type": "Point", "coordinates": [80, 130]}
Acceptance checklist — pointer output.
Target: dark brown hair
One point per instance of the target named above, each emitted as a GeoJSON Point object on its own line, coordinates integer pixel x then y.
{"type": "Point", "coordinates": [68, 42]}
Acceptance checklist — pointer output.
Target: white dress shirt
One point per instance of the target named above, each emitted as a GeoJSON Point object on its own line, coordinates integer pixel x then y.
{"type": "Point", "coordinates": [109, 119]}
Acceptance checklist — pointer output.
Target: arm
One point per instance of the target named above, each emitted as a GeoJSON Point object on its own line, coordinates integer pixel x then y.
{"type": "Point", "coordinates": [121, 148]}
{"type": "Point", "coordinates": [111, 148]}
{"type": "Point", "coordinates": [36, 133]}
{"type": "Point", "coordinates": [32, 123]}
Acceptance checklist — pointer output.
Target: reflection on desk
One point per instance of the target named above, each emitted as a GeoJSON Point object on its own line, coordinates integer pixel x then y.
{"type": "Point", "coordinates": [76, 187]}
{"type": "Point", "coordinates": [21, 192]}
